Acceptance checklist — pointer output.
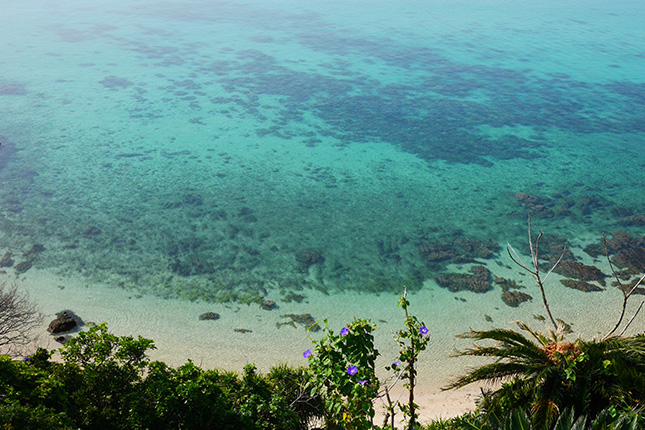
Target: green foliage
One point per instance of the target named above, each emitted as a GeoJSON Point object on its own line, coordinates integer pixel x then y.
{"type": "Point", "coordinates": [107, 382]}
{"type": "Point", "coordinates": [104, 373]}
{"type": "Point", "coordinates": [342, 372]}
{"type": "Point", "coordinates": [26, 417]}
{"type": "Point", "coordinates": [551, 374]}
{"type": "Point", "coordinates": [412, 340]}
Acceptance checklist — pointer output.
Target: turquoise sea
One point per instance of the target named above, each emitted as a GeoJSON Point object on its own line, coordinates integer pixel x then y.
{"type": "Point", "coordinates": [234, 151]}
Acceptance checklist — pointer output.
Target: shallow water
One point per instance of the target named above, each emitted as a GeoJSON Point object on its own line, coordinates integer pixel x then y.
{"type": "Point", "coordinates": [235, 151]}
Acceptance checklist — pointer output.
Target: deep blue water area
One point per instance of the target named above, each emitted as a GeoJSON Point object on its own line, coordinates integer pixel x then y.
{"type": "Point", "coordinates": [223, 150]}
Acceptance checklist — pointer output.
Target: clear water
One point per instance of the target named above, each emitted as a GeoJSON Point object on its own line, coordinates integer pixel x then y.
{"type": "Point", "coordinates": [223, 150]}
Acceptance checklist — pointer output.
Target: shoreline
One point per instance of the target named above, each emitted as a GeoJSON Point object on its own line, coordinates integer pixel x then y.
{"type": "Point", "coordinates": [180, 336]}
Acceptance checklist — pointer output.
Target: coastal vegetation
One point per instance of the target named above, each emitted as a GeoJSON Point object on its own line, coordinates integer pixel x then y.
{"type": "Point", "coordinates": [543, 379]}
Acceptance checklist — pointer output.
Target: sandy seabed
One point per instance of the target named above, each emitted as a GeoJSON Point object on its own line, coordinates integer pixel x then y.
{"type": "Point", "coordinates": [180, 335]}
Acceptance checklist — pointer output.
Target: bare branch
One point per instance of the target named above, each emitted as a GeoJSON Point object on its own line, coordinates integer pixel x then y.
{"type": "Point", "coordinates": [535, 273]}
{"type": "Point", "coordinates": [564, 250]}
{"type": "Point", "coordinates": [632, 319]}
{"type": "Point", "coordinates": [18, 316]}
{"type": "Point", "coordinates": [626, 295]}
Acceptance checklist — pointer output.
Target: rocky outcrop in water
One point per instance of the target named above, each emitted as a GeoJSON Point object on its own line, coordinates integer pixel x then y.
{"type": "Point", "coordinates": [65, 321]}
{"type": "Point", "coordinates": [582, 272]}
{"type": "Point", "coordinates": [478, 281]}
{"type": "Point", "coordinates": [309, 257]}
{"type": "Point", "coordinates": [268, 305]}
{"type": "Point", "coordinates": [513, 298]}
{"type": "Point", "coordinates": [580, 285]}
{"type": "Point", "coordinates": [458, 251]}
{"type": "Point", "coordinates": [209, 316]}
{"type": "Point", "coordinates": [510, 295]}
{"type": "Point", "coordinates": [6, 260]}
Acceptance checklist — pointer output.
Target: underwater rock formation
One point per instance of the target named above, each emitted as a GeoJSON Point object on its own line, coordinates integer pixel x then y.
{"type": "Point", "coordinates": [478, 282]}
{"type": "Point", "coordinates": [209, 316]}
{"type": "Point", "coordinates": [633, 221]}
{"type": "Point", "coordinates": [582, 272]}
{"type": "Point", "coordinates": [65, 321]}
{"type": "Point", "coordinates": [23, 266]}
{"type": "Point", "coordinates": [6, 260]}
{"type": "Point", "coordinates": [536, 205]}
{"type": "Point", "coordinates": [509, 296]}
{"type": "Point", "coordinates": [268, 305]}
{"type": "Point", "coordinates": [628, 251]}
{"type": "Point", "coordinates": [305, 320]}
{"type": "Point", "coordinates": [459, 251]}
{"type": "Point", "coordinates": [513, 298]}
{"type": "Point", "coordinates": [309, 257]}
{"type": "Point", "coordinates": [580, 285]}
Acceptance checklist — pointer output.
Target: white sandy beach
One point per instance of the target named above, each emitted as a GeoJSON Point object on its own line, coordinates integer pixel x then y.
{"type": "Point", "coordinates": [179, 335]}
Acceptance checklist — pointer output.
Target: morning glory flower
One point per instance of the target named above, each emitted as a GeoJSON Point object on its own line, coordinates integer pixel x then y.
{"type": "Point", "coordinates": [352, 370]}
{"type": "Point", "coordinates": [396, 363]}
{"type": "Point", "coordinates": [344, 331]}
{"type": "Point", "coordinates": [423, 329]}
{"type": "Point", "coordinates": [307, 353]}
{"type": "Point", "coordinates": [363, 382]}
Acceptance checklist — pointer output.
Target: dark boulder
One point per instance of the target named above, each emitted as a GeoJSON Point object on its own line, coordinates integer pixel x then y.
{"type": "Point", "coordinates": [65, 321]}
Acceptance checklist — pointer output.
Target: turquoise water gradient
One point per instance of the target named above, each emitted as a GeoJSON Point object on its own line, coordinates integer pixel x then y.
{"type": "Point", "coordinates": [216, 150]}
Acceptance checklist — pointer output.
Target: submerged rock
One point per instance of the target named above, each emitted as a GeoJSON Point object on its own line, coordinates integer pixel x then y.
{"type": "Point", "coordinates": [305, 320]}
{"type": "Point", "coordinates": [514, 298]}
{"type": "Point", "coordinates": [580, 285]}
{"type": "Point", "coordinates": [268, 305]}
{"type": "Point", "coordinates": [65, 321]}
{"type": "Point", "coordinates": [309, 257]}
{"type": "Point", "coordinates": [478, 282]}
{"type": "Point", "coordinates": [210, 316]}
{"type": "Point", "coordinates": [574, 269]}
{"type": "Point", "coordinates": [459, 251]}
{"type": "Point", "coordinates": [633, 221]}
{"type": "Point", "coordinates": [22, 267]}
{"type": "Point", "coordinates": [6, 260]}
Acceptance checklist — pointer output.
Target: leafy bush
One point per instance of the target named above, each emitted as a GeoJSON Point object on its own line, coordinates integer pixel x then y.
{"type": "Point", "coordinates": [107, 382]}
{"type": "Point", "coordinates": [342, 371]}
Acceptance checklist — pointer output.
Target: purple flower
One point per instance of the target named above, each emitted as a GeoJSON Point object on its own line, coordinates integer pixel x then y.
{"type": "Point", "coordinates": [423, 329]}
{"type": "Point", "coordinates": [363, 382]}
{"type": "Point", "coordinates": [344, 331]}
{"type": "Point", "coordinates": [307, 353]}
{"type": "Point", "coordinates": [352, 370]}
{"type": "Point", "coordinates": [396, 363]}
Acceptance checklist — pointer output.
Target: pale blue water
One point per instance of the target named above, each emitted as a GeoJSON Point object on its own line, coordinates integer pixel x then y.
{"type": "Point", "coordinates": [217, 150]}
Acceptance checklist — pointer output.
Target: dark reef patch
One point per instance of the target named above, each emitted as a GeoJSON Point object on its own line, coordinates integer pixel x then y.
{"type": "Point", "coordinates": [115, 83]}
{"type": "Point", "coordinates": [12, 89]}
{"type": "Point", "coordinates": [478, 281]}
